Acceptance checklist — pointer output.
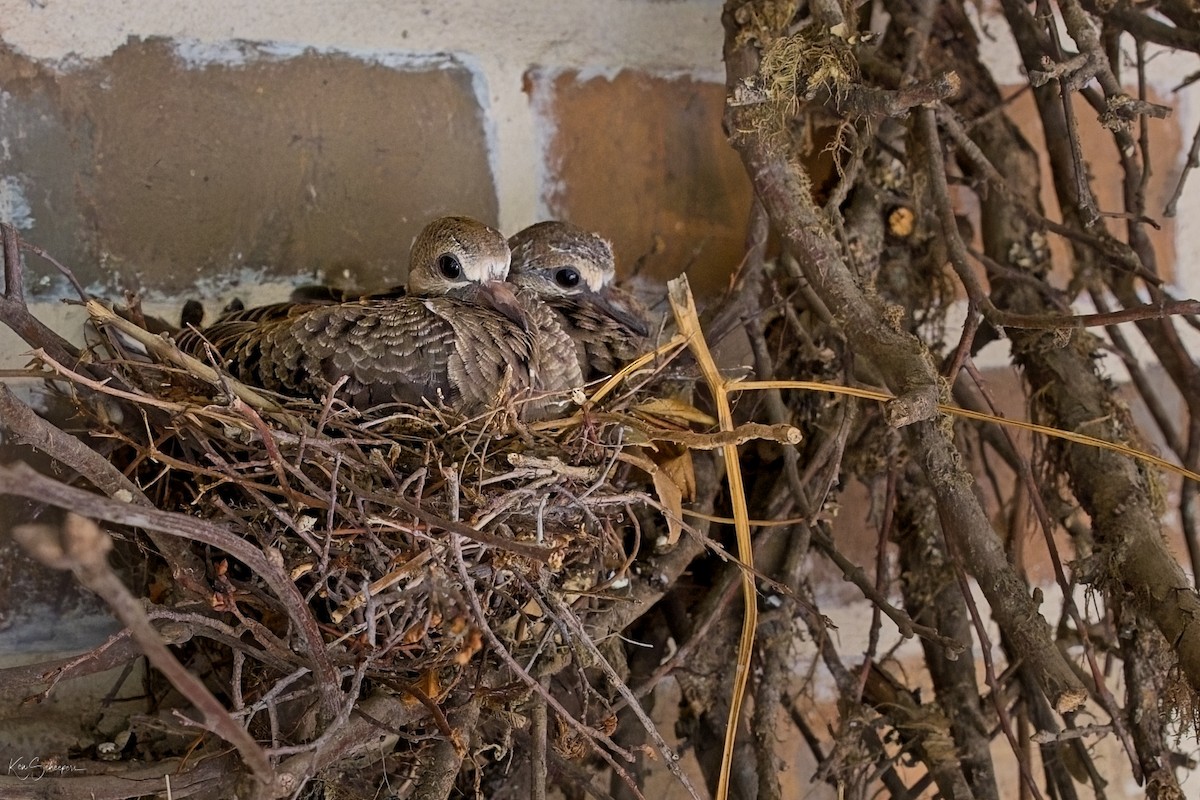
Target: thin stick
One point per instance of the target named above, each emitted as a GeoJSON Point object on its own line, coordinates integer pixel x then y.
{"type": "Point", "coordinates": [580, 636]}
{"type": "Point", "coordinates": [537, 758]}
{"type": "Point", "coordinates": [66, 272]}
{"type": "Point", "coordinates": [23, 481]}
{"type": "Point", "coordinates": [14, 279]}
{"type": "Point", "coordinates": [688, 323]}
{"type": "Point", "coordinates": [588, 733]}
{"type": "Point", "coordinates": [164, 349]}
{"type": "Point", "coordinates": [979, 416]}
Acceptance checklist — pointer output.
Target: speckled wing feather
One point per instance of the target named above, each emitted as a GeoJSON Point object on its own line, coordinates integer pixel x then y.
{"type": "Point", "coordinates": [603, 344]}
{"type": "Point", "coordinates": [235, 336]}
{"type": "Point", "coordinates": [407, 350]}
{"type": "Point", "coordinates": [382, 345]}
{"type": "Point", "coordinates": [556, 361]}
{"type": "Point", "coordinates": [388, 351]}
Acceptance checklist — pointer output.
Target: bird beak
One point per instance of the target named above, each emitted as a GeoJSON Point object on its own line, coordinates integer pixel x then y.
{"type": "Point", "coordinates": [618, 311]}
{"type": "Point", "coordinates": [500, 297]}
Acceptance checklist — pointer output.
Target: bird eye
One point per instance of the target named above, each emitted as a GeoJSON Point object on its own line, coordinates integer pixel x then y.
{"type": "Point", "coordinates": [449, 266]}
{"type": "Point", "coordinates": [567, 277]}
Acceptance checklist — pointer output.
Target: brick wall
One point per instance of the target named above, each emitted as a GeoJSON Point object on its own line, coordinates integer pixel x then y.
{"type": "Point", "coordinates": [178, 154]}
{"type": "Point", "coordinates": [239, 149]}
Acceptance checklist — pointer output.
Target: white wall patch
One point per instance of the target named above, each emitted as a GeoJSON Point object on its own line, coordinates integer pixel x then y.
{"type": "Point", "coordinates": [14, 205]}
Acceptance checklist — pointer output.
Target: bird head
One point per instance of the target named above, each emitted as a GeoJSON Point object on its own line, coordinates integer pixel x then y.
{"type": "Point", "coordinates": [454, 252]}
{"type": "Point", "coordinates": [559, 261]}
{"type": "Point", "coordinates": [555, 258]}
{"type": "Point", "coordinates": [463, 258]}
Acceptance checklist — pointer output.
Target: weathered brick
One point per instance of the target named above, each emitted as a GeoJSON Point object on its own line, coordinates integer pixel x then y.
{"type": "Point", "coordinates": [643, 160]}
{"type": "Point", "coordinates": [41, 160]}
{"type": "Point", "coordinates": [296, 163]}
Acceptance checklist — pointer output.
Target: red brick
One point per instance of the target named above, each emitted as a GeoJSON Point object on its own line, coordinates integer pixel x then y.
{"type": "Point", "coordinates": [643, 160]}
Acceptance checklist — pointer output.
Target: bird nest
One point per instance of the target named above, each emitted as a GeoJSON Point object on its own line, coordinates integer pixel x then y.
{"type": "Point", "coordinates": [423, 551]}
{"type": "Point", "coordinates": [358, 597]}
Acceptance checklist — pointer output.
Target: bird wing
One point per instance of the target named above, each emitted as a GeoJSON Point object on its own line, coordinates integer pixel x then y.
{"type": "Point", "coordinates": [225, 333]}
{"type": "Point", "coordinates": [389, 351]}
{"type": "Point", "coordinates": [557, 366]}
{"type": "Point", "coordinates": [605, 345]}
{"type": "Point", "coordinates": [407, 349]}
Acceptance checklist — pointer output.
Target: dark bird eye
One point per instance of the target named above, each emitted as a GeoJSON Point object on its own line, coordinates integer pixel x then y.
{"type": "Point", "coordinates": [567, 277]}
{"type": "Point", "coordinates": [449, 266]}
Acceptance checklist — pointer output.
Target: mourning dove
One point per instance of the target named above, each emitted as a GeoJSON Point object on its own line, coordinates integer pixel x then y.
{"type": "Point", "coordinates": [457, 336]}
{"type": "Point", "coordinates": [557, 365]}
{"type": "Point", "coordinates": [572, 270]}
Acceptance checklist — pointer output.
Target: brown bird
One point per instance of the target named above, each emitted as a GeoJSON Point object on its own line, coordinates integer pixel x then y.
{"type": "Point", "coordinates": [458, 336]}
{"type": "Point", "coordinates": [572, 270]}
{"type": "Point", "coordinates": [557, 362]}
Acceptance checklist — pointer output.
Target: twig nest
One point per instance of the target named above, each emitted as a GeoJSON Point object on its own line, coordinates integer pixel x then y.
{"type": "Point", "coordinates": [392, 523]}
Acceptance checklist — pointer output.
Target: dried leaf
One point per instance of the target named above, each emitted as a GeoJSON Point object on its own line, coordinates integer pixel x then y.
{"type": "Point", "coordinates": [674, 409]}
{"type": "Point", "coordinates": [472, 645]}
{"type": "Point", "coordinates": [671, 497]}
{"type": "Point", "coordinates": [430, 684]}
{"type": "Point", "coordinates": [679, 468]}
{"type": "Point", "coordinates": [414, 634]}
{"type": "Point", "coordinates": [670, 493]}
